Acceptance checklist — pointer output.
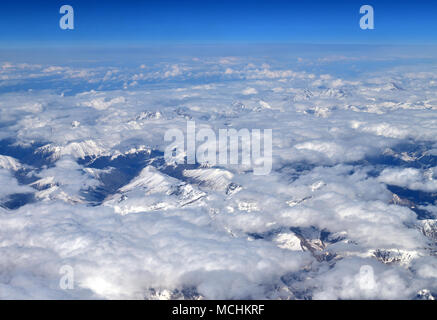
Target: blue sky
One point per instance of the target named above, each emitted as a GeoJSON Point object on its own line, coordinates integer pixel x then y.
{"type": "Point", "coordinates": [130, 22]}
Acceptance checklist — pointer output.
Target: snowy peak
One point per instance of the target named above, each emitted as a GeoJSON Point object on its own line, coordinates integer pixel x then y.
{"type": "Point", "coordinates": [9, 163]}
{"type": "Point", "coordinates": [79, 150]}
{"type": "Point", "coordinates": [211, 178]}
{"type": "Point", "coordinates": [151, 180]}
{"type": "Point", "coordinates": [152, 190]}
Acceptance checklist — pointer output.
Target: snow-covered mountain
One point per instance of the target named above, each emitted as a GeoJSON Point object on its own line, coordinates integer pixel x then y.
{"type": "Point", "coordinates": [353, 186]}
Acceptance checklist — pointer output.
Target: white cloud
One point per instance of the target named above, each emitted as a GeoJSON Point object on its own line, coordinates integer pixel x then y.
{"type": "Point", "coordinates": [322, 213]}
{"type": "Point", "coordinates": [410, 178]}
{"type": "Point", "coordinates": [250, 91]}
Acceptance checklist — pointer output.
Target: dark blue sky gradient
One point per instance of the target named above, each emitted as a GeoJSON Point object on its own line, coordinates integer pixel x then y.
{"type": "Point", "coordinates": [130, 22]}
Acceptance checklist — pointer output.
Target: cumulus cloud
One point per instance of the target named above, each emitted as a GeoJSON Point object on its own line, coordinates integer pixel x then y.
{"type": "Point", "coordinates": [84, 183]}
{"type": "Point", "coordinates": [249, 91]}
{"type": "Point", "coordinates": [410, 178]}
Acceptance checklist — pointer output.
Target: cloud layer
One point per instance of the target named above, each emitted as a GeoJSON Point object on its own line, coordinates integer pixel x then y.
{"type": "Point", "coordinates": [353, 185]}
